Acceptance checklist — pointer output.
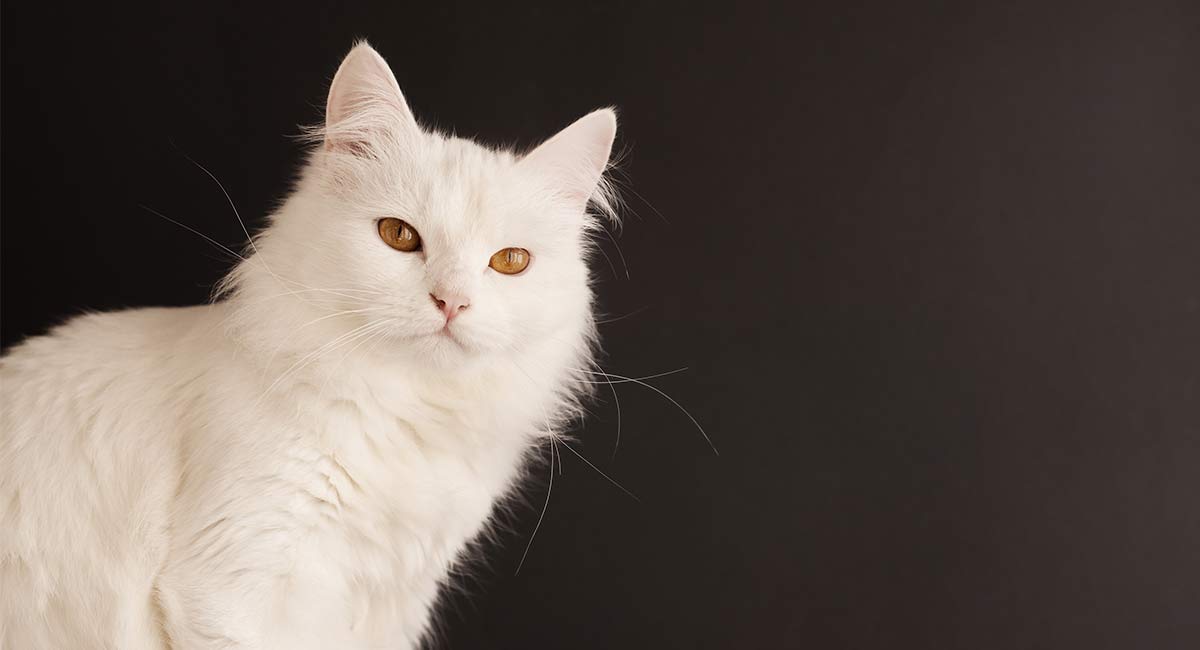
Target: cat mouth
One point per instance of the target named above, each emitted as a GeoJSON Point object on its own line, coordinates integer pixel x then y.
{"type": "Point", "coordinates": [448, 334]}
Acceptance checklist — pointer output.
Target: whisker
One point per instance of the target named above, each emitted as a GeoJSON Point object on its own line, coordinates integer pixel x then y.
{"type": "Point", "coordinates": [606, 476]}
{"type": "Point", "coordinates": [344, 312]}
{"type": "Point", "coordinates": [608, 259]}
{"type": "Point", "coordinates": [648, 204]}
{"type": "Point", "coordinates": [312, 356]}
{"type": "Point", "coordinates": [258, 256]}
{"type": "Point", "coordinates": [619, 253]}
{"type": "Point", "coordinates": [374, 333]}
{"type": "Point", "coordinates": [616, 401]}
{"type": "Point", "coordinates": [604, 321]}
{"type": "Point", "coordinates": [560, 463]}
{"type": "Point", "coordinates": [227, 198]}
{"type": "Point", "coordinates": [327, 290]}
{"type": "Point", "coordinates": [552, 435]}
{"type": "Point", "coordinates": [669, 399]}
{"type": "Point", "coordinates": [192, 230]}
{"type": "Point", "coordinates": [629, 380]}
{"type": "Point", "coordinates": [545, 506]}
{"type": "Point", "coordinates": [333, 292]}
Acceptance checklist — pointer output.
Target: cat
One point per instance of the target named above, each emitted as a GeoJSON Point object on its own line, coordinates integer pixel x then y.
{"type": "Point", "coordinates": [300, 463]}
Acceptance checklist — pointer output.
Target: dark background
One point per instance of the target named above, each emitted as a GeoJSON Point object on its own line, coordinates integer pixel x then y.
{"type": "Point", "coordinates": [933, 270]}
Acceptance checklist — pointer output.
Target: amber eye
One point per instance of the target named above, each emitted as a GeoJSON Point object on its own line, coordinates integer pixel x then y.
{"type": "Point", "coordinates": [510, 261]}
{"type": "Point", "coordinates": [399, 235]}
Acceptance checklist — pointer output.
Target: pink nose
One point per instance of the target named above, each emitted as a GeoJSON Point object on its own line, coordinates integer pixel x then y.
{"type": "Point", "coordinates": [451, 305]}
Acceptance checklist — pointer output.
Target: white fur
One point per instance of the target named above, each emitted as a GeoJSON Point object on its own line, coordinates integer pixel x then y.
{"type": "Point", "coordinates": [300, 464]}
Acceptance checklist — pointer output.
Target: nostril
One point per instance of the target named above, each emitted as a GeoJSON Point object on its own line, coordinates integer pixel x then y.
{"type": "Point", "coordinates": [451, 306]}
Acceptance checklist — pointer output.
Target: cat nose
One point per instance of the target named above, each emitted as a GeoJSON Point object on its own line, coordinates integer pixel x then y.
{"type": "Point", "coordinates": [450, 305]}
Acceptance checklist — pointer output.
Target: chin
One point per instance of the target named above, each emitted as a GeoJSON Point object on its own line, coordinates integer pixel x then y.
{"type": "Point", "coordinates": [442, 348]}
{"type": "Point", "coordinates": [456, 347]}
{"type": "Point", "coordinates": [450, 347]}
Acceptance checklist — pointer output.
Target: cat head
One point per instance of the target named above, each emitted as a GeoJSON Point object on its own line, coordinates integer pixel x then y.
{"type": "Point", "coordinates": [433, 245]}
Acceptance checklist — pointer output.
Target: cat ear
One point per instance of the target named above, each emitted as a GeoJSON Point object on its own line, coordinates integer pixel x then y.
{"type": "Point", "coordinates": [575, 158]}
{"type": "Point", "coordinates": [364, 99]}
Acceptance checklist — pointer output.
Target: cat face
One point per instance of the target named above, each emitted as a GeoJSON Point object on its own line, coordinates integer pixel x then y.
{"type": "Point", "coordinates": [434, 244]}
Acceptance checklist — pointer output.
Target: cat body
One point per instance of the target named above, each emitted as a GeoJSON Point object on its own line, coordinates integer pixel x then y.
{"type": "Point", "coordinates": [301, 464]}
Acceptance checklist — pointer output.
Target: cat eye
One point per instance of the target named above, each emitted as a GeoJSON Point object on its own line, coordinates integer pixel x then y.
{"type": "Point", "coordinates": [399, 235]}
{"type": "Point", "coordinates": [510, 261]}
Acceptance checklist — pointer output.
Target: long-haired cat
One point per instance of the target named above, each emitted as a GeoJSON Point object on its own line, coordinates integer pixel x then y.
{"type": "Point", "coordinates": [299, 464]}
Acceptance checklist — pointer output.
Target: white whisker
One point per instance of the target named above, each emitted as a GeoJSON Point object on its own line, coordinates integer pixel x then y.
{"type": "Point", "coordinates": [619, 253]}
{"type": "Point", "coordinates": [373, 333]}
{"type": "Point", "coordinates": [545, 506]}
{"type": "Point", "coordinates": [228, 198]}
{"type": "Point", "coordinates": [669, 399]}
{"type": "Point", "coordinates": [608, 259]}
{"type": "Point", "coordinates": [258, 256]}
{"type": "Point", "coordinates": [616, 379]}
{"type": "Point", "coordinates": [604, 321]}
{"type": "Point", "coordinates": [192, 230]}
{"type": "Point", "coordinates": [311, 356]}
{"type": "Point", "coordinates": [294, 331]}
{"type": "Point", "coordinates": [606, 476]}
{"type": "Point", "coordinates": [616, 401]}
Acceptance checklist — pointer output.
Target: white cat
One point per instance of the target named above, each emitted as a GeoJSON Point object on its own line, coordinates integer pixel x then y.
{"type": "Point", "coordinates": [299, 464]}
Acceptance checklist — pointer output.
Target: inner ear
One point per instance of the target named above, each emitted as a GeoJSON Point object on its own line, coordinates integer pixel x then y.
{"type": "Point", "coordinates": [364, 101]}
{"type": "Point", "coordinates": [575, 158]}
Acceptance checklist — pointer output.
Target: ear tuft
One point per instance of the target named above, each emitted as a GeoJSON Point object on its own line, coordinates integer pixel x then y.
{"type": "Point", "coordinates": [576, 157]}
{"type": "Point", "coordinates": [363, 98]}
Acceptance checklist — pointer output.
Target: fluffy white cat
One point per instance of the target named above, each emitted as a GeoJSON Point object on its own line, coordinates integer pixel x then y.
{"type": "Point", "coordinates": [299, 464]}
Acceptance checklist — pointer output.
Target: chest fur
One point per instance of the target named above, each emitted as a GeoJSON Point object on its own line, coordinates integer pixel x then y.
{"type": "Point", "coordinates": [397, 488]}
